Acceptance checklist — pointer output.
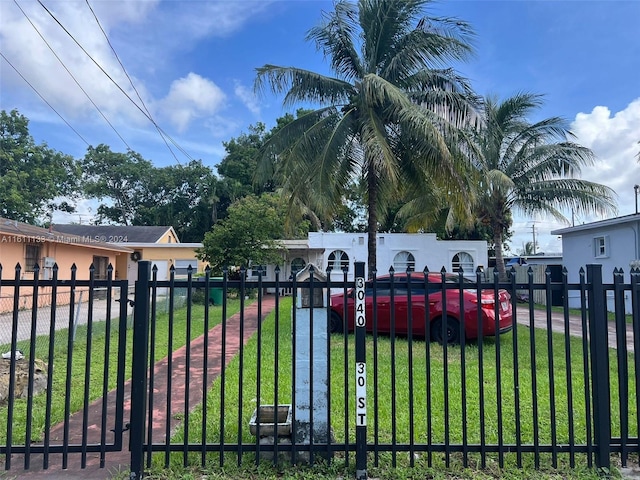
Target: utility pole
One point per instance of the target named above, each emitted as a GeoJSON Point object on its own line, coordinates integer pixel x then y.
{"type": "Point", "coordinates": [533, 230]}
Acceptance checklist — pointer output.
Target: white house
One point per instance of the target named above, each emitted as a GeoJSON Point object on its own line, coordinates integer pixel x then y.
{"type": "Point", "coordinates": [612, 243]}
{"type": "Point", "coordinates": [397, 250]}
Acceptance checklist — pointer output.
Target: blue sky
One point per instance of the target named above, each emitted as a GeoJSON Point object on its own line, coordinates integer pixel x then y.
{"type": "Point", "coordinates": [193, 63]}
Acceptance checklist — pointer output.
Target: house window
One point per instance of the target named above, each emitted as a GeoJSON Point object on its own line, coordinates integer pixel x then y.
{"type": "Point", "coordinates": [404, 261]}
{"type": "Point", "coordinates": [462, 261]}
{"type": "Point", "coordinates": [601, 246]}
{"type": "Point", "coordinates": [182, 266]}
{"type": "Point", "coordinates": [338, 260]}
{"type": "Point", "coordinates": [258, 270]}
{"type": "Point", "coordinates": [31, 257]}
{"type": "Point", "coordinates": [100, 267]}
{"type": "Point", "coordinates": [297, 264]}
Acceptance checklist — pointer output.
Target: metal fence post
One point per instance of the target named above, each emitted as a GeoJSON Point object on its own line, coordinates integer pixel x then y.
{"type": "Point", "coordinates": [139, 369]}
{"type": "Point", "coordinates": [598, 337]}
{"type": "Point", "coordinates": [361, 374]}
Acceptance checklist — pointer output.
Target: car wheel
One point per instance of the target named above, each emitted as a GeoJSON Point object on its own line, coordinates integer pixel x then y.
{"type": "Point", "coordinates": [335, 323]}
{"type": "Point", "coordinates": [452, 330]}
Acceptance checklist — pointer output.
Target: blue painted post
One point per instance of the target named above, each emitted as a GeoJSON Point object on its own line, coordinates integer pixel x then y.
{"type": "Point", "coordinates": [361, 374]}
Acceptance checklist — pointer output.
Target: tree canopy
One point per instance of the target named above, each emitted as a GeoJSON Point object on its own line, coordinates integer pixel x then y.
{"type": "Point", "coordinates": [32, 177]}
{"type": "Point", "coordinates": [135, 192]}
{"type": "Point", "coordinates": [121, 178]}
{"type": "Point", "coordinates": [249, 235]}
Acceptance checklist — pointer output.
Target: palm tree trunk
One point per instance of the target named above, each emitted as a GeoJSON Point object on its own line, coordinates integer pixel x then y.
{"type": "Point", "coordinates": [315, 221]}
{"type": "Point", "coordinates": [372, 226]}
{"type": "Point", "coordinates": [497, 244]}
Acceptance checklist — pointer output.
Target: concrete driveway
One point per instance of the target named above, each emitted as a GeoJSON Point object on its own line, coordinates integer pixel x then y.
{"type": "Point", "coordinates": [575, 324]}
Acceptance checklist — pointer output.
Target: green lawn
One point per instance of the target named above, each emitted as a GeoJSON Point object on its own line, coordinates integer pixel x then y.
{"type": "Point", "coordinates": [393, 416]}
{"type": "Point", "coordinates": [101, 360]}
{"type": "Point", "coordinates": [430, 422]}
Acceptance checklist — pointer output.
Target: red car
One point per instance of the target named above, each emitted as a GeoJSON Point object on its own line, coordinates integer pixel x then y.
{"type": "Point", "coordinates": [469, 314]}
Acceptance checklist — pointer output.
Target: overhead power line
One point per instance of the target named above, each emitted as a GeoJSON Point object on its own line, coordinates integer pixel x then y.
{"type": "Point", "coordinates": [44, 99]}
{"type": "Point", "coordinates": [72, 76]}
{"type": "Point", "coordinates": [115, 54]}
{"type": "Point", "coordinates": [114, 82]}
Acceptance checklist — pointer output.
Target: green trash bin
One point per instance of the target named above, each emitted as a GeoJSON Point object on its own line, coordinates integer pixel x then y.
{"type": "Point", "coordinates": [215, 293]}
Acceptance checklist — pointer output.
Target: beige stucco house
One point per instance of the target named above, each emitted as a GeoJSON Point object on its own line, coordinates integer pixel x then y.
{"type": "Point", "coordinates": [158, 244]}
{"type": "Point", "coordinates": [27, 246]}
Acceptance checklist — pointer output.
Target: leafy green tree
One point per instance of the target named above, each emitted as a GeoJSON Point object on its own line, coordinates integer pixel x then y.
{"type": "Point", "coordinates": [32, 177]}
{"type": "Point", "coordinates": [183, 196]}
{"type": "Point", "coordinates": [134, 192]}
{"type": "Point", "coordinates": [390, 115]}
{"type": "Point", "coordinates": [249, 235]}
{"type": "Point", "coordinates": [531, 168]}
{"type": "Point", "coordinates": [239, 164]}
{"type": "Point", "coordinates": [237, 168]}
{"type": "Point", "coordinates": [120, 178]}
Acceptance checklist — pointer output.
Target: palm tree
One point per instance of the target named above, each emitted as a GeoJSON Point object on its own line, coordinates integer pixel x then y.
{"type": "Point", "coordinates": [389, 117]}
{"type": "Point", "coordinates": [528, 249]}
{"type": "Point", "coordinates": [530, 167]}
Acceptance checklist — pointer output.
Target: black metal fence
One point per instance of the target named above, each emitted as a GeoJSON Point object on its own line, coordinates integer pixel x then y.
{"type": "Point", "coordinates": [56, 363]}
{"type": "Point", "coordinates": [241, 381]}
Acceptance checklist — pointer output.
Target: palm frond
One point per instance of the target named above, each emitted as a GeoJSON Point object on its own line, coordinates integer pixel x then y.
{"type": "Point", "coordinates": [283, 141]}
{"type": "Point", "coordinates": [380, 157]}
{"type": "Point", "coordinates": [523, 138]}
{"type": "Point", "coordinates": [433, 44]}
{"type": "Point", "coordinates": [382, 23]}
{"type": "Point", "coordinates": [533, 167]}
{"type": "Point", "coordinates": [335, 37]}
{"type": "Point", "coordinates": [581, 196]}
{"type": "Point", "coordinates": [302, 85]}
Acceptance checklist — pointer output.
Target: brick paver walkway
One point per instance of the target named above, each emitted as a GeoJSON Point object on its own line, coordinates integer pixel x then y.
{"type": "Point", "coordinates": [119, 461]}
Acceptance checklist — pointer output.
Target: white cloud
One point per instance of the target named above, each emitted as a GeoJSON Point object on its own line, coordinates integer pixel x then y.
{"type": "Point", "coordinates": [214, 18]}
{"type": "Point", "coordinates": [147, 37]}
{"type": "Point", "coordinates": [189, 98]}
{"type": "Point", "coordinates": [131, 11]}
{"type": "Point", "coordinates": [247, 97]}
{"type": "Point", "coordinates": [52, 74]}
{"type": "Point", "coordinates": [614, 140]}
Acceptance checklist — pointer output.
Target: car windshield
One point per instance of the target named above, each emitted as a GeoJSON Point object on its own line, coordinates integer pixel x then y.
{"type": "Point", "coordinates": [456, 279]}
{"type": "Point", "coordinates": [383, 285]}
{"type": "Point", "coordinates": [419, 280]}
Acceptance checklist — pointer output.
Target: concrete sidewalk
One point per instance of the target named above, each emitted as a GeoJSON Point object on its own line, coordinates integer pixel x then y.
{"type": "Point", "coordinates": [61, 316]}
{"type": "Point", "coordinates": [119, 461]}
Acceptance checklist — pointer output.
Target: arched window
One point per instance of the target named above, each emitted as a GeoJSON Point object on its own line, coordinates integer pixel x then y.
{"type": "Point", "coordinates": [463, 261]}
{"type": "Point", "coordinates": [403, 261]}
{"type": "Point", "coordinates": [338, 260]}
{"type": "Point", "coordinates": [297, 264]}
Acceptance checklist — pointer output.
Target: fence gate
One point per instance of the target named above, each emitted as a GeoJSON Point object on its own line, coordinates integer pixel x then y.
{"type": "Point", "coordinates": [70, 337]}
